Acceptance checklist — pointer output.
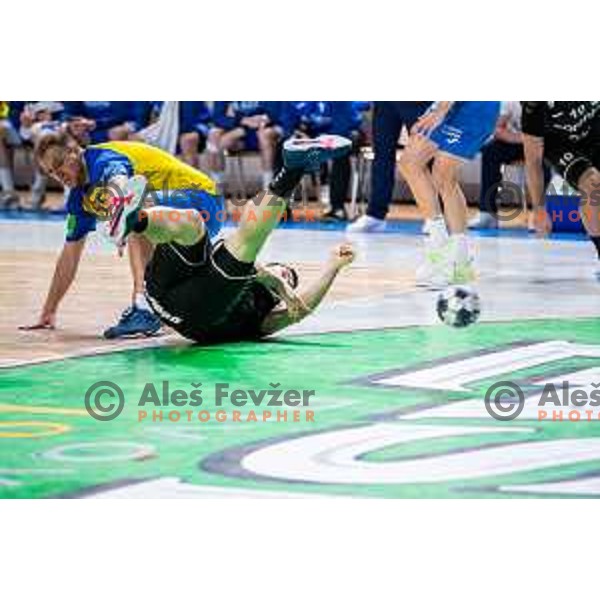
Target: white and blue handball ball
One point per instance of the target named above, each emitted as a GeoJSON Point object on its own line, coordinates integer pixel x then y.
{"type": "Point", "coordinates": [459, 306]}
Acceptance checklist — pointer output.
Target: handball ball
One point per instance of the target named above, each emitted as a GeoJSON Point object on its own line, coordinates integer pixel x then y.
{"type": "Point", "coordinates": [458, 306]}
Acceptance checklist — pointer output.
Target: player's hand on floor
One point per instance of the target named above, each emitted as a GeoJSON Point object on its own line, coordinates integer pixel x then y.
{"type": "Point", "coordinates": [46, 321]}
{"type": "Point", "coordinates": [343, 255]}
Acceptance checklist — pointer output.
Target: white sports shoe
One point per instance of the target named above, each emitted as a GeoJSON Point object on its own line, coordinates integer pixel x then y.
{"type": "Point", "coordinates": [461, 270]}
{"type": "Point", "coordinates": [484, 220]}
{"type": "Point", "coordinates": [133, 195]}
{"type": "Point", "coordinates": [432, 273]}
{"type": "Point", "coordinates": [366, 224]}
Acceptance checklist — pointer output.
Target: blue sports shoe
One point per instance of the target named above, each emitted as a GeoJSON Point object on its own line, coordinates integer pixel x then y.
{"type": "Point", "coordinates": [134, 321]}
{"type": "Point", "coordinates": [308, 154]}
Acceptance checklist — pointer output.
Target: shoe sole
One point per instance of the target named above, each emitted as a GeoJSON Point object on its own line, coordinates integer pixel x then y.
{"type": "Point", "coordinates": [136, 188]}
{"type": "Point", "coordinates": [132, 335]}
{"type": "Point", "coordinates": [310, 153]}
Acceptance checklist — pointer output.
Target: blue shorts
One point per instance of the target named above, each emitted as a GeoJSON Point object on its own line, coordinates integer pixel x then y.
{"type": "Point", "coordinates": [466, 128]}
{"type": "Point", "coordinates": [212, 208]}
{"type": "Point", "coordinates": [250, 140]}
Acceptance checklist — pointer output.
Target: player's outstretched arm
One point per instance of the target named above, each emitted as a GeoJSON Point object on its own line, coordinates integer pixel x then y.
{"type": "Point", "coordinates": [311, 295]}
{"type": "Point", "coordinates": [64, 274]}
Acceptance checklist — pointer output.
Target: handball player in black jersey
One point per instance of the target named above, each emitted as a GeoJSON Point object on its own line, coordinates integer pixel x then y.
{"type": "Point", "coordinates": [567, 136]}
{"type": "Point", "coordinates": [216, 292]}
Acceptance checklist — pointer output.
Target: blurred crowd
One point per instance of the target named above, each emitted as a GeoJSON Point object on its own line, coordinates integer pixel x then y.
{"type": "Point", "coordinates": [210, 131]}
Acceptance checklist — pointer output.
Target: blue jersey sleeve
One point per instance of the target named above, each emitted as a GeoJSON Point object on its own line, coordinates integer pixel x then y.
{"type": "Point", "coordinates": [79, 223]}
{"type": "Point", "coordinates": [102, 166]}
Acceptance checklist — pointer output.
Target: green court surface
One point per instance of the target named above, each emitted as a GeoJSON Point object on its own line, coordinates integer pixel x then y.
{"type": "Point", "coordinates": [397, 413]}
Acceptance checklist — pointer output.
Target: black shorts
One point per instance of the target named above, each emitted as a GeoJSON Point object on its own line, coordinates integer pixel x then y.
{"type": "Point", "coordinates": [572, 159]}
{"type": "Point", "coordinates": [205, 293]}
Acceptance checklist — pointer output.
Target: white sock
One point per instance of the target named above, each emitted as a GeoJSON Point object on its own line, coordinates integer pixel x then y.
{"type": "Point", "coordinates": [6, 180]}
{"type": "Point", "coordinates": [460, 247]}
{"type": "Point", "coordinates": [267, 177]}
{"type": "Point", "coordinates": [141, 302]}
{"type": "Point", "coordinates": [438, 234]}
{"type": "Point", "coordinates": [217, 176]}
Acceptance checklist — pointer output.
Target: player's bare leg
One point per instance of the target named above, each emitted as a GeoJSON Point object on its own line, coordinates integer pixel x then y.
{"type": "Point", "coordinates": [163, 225]}
{"type": "Point", "coordinates": [589, 186]}
{"type": "Point", "coordinates": [257, 220]}
{"type": "Point", "coordinates": [445, 173]}
{"type": "Point", "coordinates": [414, 167]}
{"type": "Point", "coordinates": [140, 252]}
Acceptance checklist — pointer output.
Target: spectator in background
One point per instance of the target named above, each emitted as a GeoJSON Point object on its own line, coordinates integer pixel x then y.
{"type": "Point", "coordinates": [9, 138]}
{"type": "Point", "coordinates": [96, 121]}
{"type": "Point", "coordinates": [313, 118]}
{"type": "Point", "coordinates": [39, 119]}
{"type": "Point", "coordinates": [308, 120]}
{"type": "Point", "coordinates": [504, 149]}
{"type": "Point", "coordinates": [194, 126]}
{"type": "Point", "coordinates": [346, 120]}
{"type": "Point", "coordinates": [388, 120]}
{"type": "Point", "coordinates": [244, 125]}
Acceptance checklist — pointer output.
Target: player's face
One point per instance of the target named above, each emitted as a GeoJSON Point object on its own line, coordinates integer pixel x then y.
{"type": "Point", "coordinates": [283, 272]}
{"type": "Point", "coordinates": [66, 167]}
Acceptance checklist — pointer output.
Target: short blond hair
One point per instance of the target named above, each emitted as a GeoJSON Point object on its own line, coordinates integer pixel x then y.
{"type": "Point", "coordinates": [60, 141]}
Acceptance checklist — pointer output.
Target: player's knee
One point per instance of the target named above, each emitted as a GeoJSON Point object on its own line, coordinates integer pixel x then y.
{"type": "Point", "coordinates": [214, 140]}
{"type": "Point", "coordinates": [189, 141]}
{"type": "Point", "coordinates": [192, 229]}
{"type": "Point", "coordinates": [589, 180]}
{"type": "Point", "coordinates": [409, 163]}
{"type": "Point", "coordinates": [444, 173]}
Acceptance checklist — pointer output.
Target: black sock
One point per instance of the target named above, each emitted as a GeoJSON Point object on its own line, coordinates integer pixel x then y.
{"type": "Point", "coordinates": [285, 182]}
{"type": "Point", "coordinates": [140, 224]}
{"type": "Point", "coordinates": [596, 241]}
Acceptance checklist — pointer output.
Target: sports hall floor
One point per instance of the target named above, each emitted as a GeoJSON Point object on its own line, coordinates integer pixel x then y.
{"type": "Point", "coordinates": [398, 406]}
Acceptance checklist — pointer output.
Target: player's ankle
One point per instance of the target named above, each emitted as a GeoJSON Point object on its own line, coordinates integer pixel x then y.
{"type": "Point", "coordinates": [285, 182]}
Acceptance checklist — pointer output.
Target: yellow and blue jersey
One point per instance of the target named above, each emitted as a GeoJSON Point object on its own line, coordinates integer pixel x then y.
{"type": "Point", "coordinates": [171, 182]}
